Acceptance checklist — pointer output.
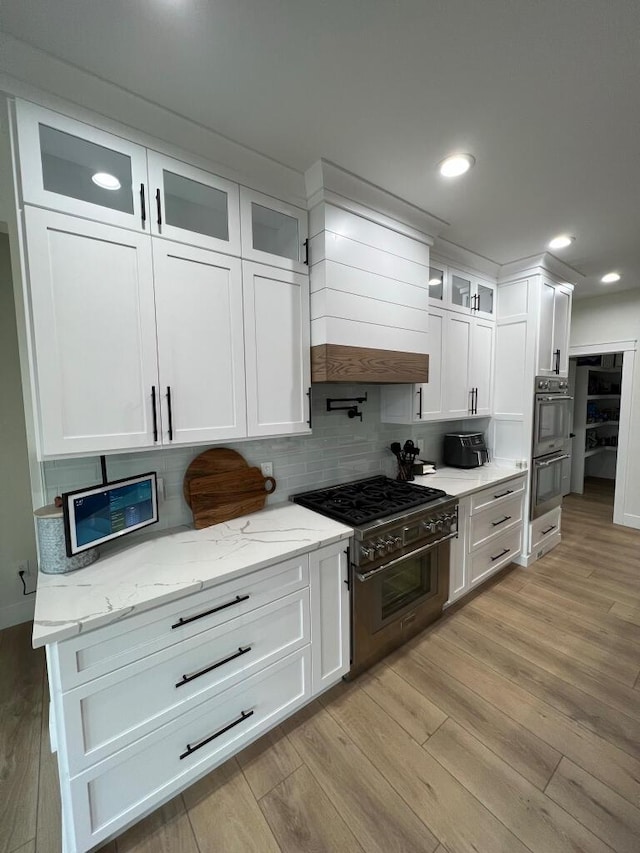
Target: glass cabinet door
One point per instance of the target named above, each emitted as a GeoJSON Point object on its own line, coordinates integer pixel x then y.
{"type": "Point", "coordinates": [436, 284]}
{"type": "Point", "coordinates": [485, 299]}
{"type": "Point", "coordinates": [273, 232]}
{"type": "Point", "coordinates": [193, 206]}
{"type": "Point", "coordinates": [72, 167]}
{"type": "Point", "coordinates": [460, 292]}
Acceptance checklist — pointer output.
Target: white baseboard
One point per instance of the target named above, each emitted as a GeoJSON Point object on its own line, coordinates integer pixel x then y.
{"type": "Point", "coordinates": [14, 614]}
{"type": "Point", "coordinates": [542, 549]}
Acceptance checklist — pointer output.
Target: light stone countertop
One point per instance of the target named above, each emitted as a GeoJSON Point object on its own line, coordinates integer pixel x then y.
{"type": "Point", "coordinates": [139, 574]}
{"type": "Point", "coordinates": [465, 481]}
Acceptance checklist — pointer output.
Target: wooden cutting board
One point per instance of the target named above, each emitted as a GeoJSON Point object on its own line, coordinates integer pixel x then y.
{"type": "Point", "coordinates": [220, 485]}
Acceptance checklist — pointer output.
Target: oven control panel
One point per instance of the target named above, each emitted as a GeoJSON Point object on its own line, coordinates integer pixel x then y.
{"type": "Point", "coordinates": [425, 530]}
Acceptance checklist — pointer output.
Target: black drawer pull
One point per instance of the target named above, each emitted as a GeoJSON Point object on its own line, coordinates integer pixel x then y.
{"type": "Point", "coordinates": [548, 530]}
{"type": "Point", "coordinates": [503, 494]}
{"type": "Point", "coordinates": [244, 715]}
{"type": "Point", "coordinates": [187, 678]}
{"type": "Point", "coordinates": [501, 554]}
{"type": "Point", "coordinates": [502, 521]}
{"type": "Point", "coordinates": [236, 600]}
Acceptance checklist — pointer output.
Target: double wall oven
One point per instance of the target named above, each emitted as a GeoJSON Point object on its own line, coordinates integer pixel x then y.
{"type": "Point", "coordinates": [551, 429]}
{"type": "Point", "coordinates": [398, 559]}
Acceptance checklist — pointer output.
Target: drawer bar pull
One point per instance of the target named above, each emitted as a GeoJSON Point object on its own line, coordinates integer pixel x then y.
{"type": "Point", "coordinates": [503, 494]}
{"type": "Point", "coordinates": [192, 747]}
{"type": "Point", "coordinates": [501, 554]}
{"type": "Point", "coordinates": [236, 600]}
{"type": "Point", "coordinates": [548, 530]}
{"type": "Point", "coordinates": [502, 521]}
{"type": "Point", "coordinates": [187, 678]}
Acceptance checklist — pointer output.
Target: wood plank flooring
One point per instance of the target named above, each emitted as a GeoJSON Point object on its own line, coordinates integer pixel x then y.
{"type": "Point", "coordinates": [511, 725]}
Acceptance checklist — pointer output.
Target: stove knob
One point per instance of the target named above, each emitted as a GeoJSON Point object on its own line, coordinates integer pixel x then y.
{"type": "Point", "coordinates": [390, 542]}
{"type": "Point", "coordinates": [367, 552]}
{"type": "Point", "coordinates": [397, 541]}
{"type": "Point", "coordinates": [381, 547]}
{"type": "Point", "coordinates": [429, 526]}
{"type": "Point", "coordinates": [439, 525]}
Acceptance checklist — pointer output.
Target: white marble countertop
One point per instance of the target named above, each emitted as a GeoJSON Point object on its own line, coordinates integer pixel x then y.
{"type": "Point", "coordinates": [140, 574]}
{"type": "Point", "coordinates": [465, 481]}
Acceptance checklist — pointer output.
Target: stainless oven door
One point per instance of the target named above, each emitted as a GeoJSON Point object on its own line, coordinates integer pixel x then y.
{"type": "Point", "coordinates": [546, 486]}
{"type": "Point", "coordinates": [551, 423]}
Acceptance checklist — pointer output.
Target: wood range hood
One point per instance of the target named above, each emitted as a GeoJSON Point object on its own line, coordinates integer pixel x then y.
{"type": "Point", "coordinates": [369, 274]}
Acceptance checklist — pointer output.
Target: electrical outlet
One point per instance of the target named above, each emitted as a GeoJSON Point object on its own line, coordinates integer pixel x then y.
{"type": "Point", "coordinates": [24, 567]}
{"type": "Point", "coordinates": [267, 469]}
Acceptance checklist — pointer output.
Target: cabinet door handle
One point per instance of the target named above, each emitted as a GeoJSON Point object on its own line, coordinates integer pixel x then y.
{"type": "Point", "coordinates": [420, 402]}
{"type": "Point", "coordinates": [187, 678]}
{"type": "Point", "coordinates": [501, 554]}
{"type": "Point", "coordinates": [155, 412]}
{"type": "Point", "coordinates": [306, 251]}
{"type": "Point", "coordinates": [192, 747]}
{"type": "Point", "coordinates": [503, 494]}
{"type": "Point", "coordinates": [143, 204]}
{"type": "Point", "coordinates": [557, 357]}
{"type": "Point", "coordinates": [170, 413]}
{"type": "Point", "coordinates": [309, 395]}
{"type": "Point", "coordinates": [159, 206]}
{"type": "Point", "coordinates": [237, 600]}
{"type": "Point", "coordinates": [502, 521]}
{"type": "Point", "coordinates": [475, 401]}
{"type": "Point", "coordinates": [471, 406]}
{"type": "Point", "coordinates": [548, 530]}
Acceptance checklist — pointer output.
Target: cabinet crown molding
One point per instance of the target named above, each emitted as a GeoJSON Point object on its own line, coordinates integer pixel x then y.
{"type": "Point", "coordinates": [542, 264]}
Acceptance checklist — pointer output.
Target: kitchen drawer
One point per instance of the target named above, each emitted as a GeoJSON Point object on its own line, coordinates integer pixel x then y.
{"type": "Point", "coordinates": [543, 528]}
{"type": "Point", "coordinates": [111, 712]}
{"type": "Point", "coordinates": [498, 553]}
{"type": "Point", "coordinates": [116, 791]}
{"type": "Point", "coordinates": [495, 494]}
{"type": "Point", "coordinates": [495, 520]}
{"type": "Point", "coordinates": [106, 649]}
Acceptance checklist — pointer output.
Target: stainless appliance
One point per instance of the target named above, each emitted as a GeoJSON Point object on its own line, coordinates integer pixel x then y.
{"type": "Point", "coordinates": [465, 449]}
{"type": "Point", "coordinates": [398, 558]}
{"type": "Point", "coordinates": [551, 415]}
{"type": "Point", "coordinates": [551, 426]}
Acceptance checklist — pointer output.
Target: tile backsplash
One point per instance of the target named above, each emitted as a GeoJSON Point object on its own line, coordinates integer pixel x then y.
{"type": "Point", "coordinates": [339, 449]}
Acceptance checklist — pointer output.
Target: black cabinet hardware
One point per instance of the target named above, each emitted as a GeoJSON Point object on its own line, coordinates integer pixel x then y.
{"type": "Point", "coordinates": [503, 494]}
{"type": "Point", "coordinates": [556, 354]}
{"type": "Point", "coordinates": [420, 402]}
{"type": "Point", "coordinates": [143, 205]}
{"type": "Point", "coordinates": [244, 715]}
{"type": "Point", "coordinates": [310, 403]}
{"type": "Point", "coordinates": [306, 252]}
{"type": "Point", "coordinates": [170, 412]}
{"type": "Point", "coordinates": [501, 554]}
{"type": "Point", "coordinates": [187, 678]}
{"type": "Point", "coordinates": [475, 401]}
{"type": "Point", "coordinates": [471, 404]}
{"type": "Point", "coordinates": [155, 412]}
{"type": "Point", "coordinates": [236, 600]}
{"type": "Point", "coordinates": [548, 530]}
{"type": "Point", "coordinates": [159, 207]}
{"type": "Point", "coordinates": [502, 521]}
{"type": "Point", "coordinates": [348, 553]}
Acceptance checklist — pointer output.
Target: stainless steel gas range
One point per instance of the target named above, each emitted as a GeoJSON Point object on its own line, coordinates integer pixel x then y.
{"type": "Point", "coordinates": [398, 558]}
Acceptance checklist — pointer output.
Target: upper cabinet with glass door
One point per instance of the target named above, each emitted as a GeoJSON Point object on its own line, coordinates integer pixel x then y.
{"type": "Point", "coordinates": [460, 291]}
{"type": "Point", "coordinates": [69, 166]}
{"type": "Point", "coordinates": [193, 206]}
{"type": "Point", "coordinates": [273, 232]}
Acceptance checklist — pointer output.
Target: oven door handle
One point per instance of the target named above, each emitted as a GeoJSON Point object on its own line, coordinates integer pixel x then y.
{"type": "Point", "coordinates": [365, 576]}
{"type": "Point", "coordinates": [552, 461]}
{"type": "Point", "coordinates": [555, 399]}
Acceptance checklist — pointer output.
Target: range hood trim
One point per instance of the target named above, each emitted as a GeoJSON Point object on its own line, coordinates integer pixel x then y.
{"type": "Point", "coordinates": [337, 363]}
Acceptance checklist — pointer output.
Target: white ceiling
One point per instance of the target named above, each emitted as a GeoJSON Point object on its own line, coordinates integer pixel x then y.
{"type": "Point", "coordinates": [544, 93]}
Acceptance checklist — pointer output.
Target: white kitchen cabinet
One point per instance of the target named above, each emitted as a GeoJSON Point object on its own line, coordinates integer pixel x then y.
{"type": "Point", "coordinates": [461, 291]}
{"type": "Point", "coordinates": [276, 322]}
{"type": "Point", "coordinates": [273, 232]}
{"type": "Point", "coordinates": [199, 315]}
{"type": "Point", "coordinates": [490, 535]}
{"type": "Point", "coordinates": [193, 206]}
{"type": "Point", "coordinates": [69, 166]}
{"type": "Point", "coordinates": [94, 337]}
{"type": "Point", "coordinates": [553, 338]}
{"type": "Point", "coordinates": [461, 356]}
{"type": "Point", "coordinates": [330, 637]}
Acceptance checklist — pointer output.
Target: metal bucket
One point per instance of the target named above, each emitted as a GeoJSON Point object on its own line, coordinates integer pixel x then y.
{"type": "Point", "coordinates": [52, 547]}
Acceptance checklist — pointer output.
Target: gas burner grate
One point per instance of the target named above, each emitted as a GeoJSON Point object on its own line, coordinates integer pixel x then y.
{"type": "Point", "coordinates": [367, 500]}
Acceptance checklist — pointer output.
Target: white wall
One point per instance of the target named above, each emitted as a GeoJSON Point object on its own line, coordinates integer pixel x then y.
{"type": "Point", "coordinates": [17, 540]}
{"type": "Point", "coordinates": [602, 321]}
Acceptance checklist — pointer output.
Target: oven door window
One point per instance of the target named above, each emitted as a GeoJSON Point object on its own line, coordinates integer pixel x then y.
{"type": "Point", "coordinates": [412, 580]}
{"type": "Point", "coordinates": [553, 421]}
{"type": "Point", "coordinates": [548, 482]}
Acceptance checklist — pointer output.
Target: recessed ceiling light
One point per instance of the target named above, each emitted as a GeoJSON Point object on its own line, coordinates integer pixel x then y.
{"type": "Point", "coordinates": [437, 280]}
{"type": "Point", "coordinates": [106, 181]}
{"type": "Point", "coordinates": [456, 165]}
{"type": "Point", "coordinates": [610, 277]}
{"type": "Point", "coordinates": [561, 241]}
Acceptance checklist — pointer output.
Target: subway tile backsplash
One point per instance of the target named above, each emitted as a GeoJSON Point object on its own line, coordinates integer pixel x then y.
{"type": "Point", "coordinates": [339, 449]}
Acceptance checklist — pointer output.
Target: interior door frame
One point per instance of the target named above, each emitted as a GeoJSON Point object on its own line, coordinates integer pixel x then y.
{"type": "Point", "coordinates": [628, 349]}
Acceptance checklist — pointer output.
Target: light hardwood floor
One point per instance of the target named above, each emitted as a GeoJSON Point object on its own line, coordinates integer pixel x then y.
{"type": "Point", "coordinates": [513, 725]}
